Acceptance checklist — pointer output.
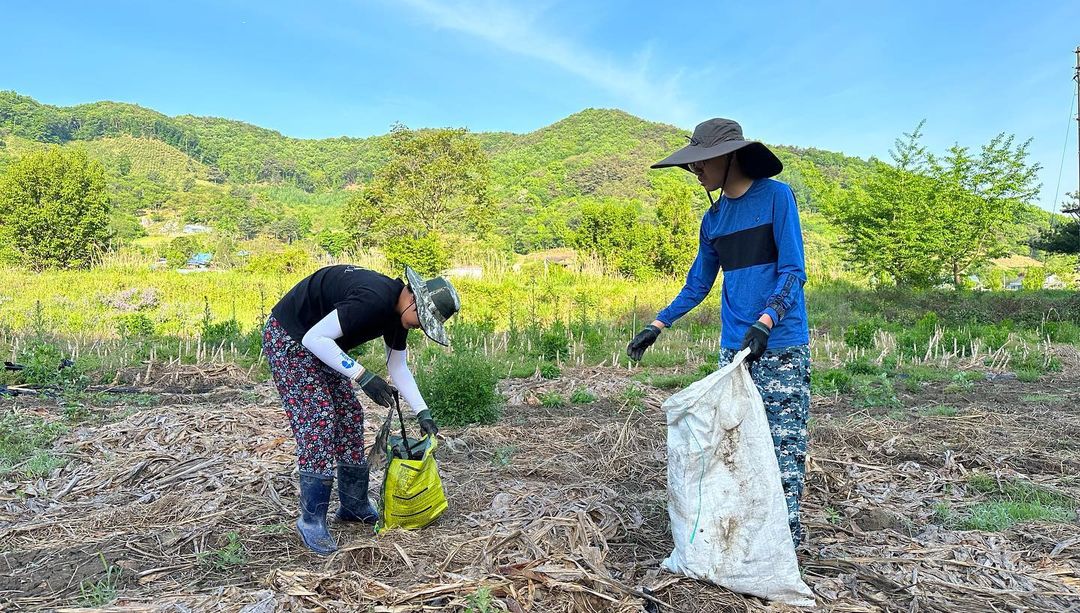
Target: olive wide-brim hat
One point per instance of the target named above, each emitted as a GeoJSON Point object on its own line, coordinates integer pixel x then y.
{"type": "Point", "coordinates": [436, 302]}
{"type": "Point", "coordinates": [717, 137]}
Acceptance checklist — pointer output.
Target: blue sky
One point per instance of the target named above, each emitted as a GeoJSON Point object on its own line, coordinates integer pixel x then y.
{"type": "Point", "coordinates": [845, 76]}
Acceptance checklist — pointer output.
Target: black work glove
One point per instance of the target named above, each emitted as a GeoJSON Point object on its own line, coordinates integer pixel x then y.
{"type": "Point", "coordinates": [757, 339]}
{"type": "Point", "coordinates": [642, 341]}
{"type": "Point", "coordinates": [377, 388]}
{"type": "Point", "coordinates": [427, 424]}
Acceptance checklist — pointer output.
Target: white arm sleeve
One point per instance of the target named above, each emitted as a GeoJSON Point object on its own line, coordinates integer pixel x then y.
{"type": "Point", "coordinates": [321, 340]}
{"type": "Point", "coordinates": [403, 379]}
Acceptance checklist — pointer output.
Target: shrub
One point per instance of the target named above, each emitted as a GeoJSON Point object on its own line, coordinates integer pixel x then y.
{"type": "Point", "coordinates": [549, 370]}
{"type": "Point", "coordinates": [426, 254]}
{"type": "Point", "coordinates": [291, 260]}
{"type": "Point", "coordinates": [554, 343]}
{"type": "Point", "coordinates": [553, 400]}
{"type": "Point", "coordinates": [831, 381]}
{"type": "Point", "coordinates": [861, 335]}
{"type": "Point", "coordinates": [1061, 332]}
{"type": "Point", "coordinates": [862, 366]}
{"type": "Point", "coordinates": [460, 389]}
{"type": "Point", "coordinates": [45, 366]}
{"type": "Point", "coordinates": [582, 396]}
{"type": "Point", "coordinates": [135, 326]}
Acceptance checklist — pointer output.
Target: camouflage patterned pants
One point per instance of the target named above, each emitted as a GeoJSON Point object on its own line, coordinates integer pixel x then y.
{"type": "Point", "coordinates": [782, 376]}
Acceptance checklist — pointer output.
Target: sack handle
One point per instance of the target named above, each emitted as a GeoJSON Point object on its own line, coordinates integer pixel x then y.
{"type": "Point", "coordinates": [401, 419]}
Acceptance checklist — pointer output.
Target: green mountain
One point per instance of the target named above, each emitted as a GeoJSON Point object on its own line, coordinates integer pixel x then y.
{"type": "Point", "coordinates": [248, 181]}
{"type": "Point", "coordinates": [594, 152]}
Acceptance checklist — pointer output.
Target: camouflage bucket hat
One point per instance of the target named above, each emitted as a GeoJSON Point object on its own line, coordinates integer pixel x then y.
{"type": "Point", "coordinates": [436, 302]}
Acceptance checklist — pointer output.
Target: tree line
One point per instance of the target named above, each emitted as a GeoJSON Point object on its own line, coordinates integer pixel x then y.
{"type": "Point", "coordinates": [923, 219]}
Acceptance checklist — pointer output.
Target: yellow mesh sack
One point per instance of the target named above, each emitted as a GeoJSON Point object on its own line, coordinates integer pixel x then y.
{"type": "Point", "coordinates": [412, 492]}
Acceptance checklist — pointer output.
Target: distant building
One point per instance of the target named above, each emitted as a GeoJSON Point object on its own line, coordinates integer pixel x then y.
{"type": "Point", "coordinates": [200, 260]}
{"type": "Point", "coordinates": [1053, 282]}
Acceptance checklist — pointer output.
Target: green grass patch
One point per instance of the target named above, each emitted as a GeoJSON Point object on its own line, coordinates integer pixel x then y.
{"type": "Point", "coordinates": [1017, 490]}
{"type": "Point", "coordinates": [103, 591]}
{"type": "Point", "coordinates": [1013, 501]}
{"type": "Point", "coordinates": [862, 366]}
{"type": "Point", "coordinates": [944, 515]}
{"type": "Point", "coordinates": [928, 373]}
{"type": "Point", "coordinates": [831, 381]}
{"type": "Point", "coordinates": [663, 359]}
{"type": "Point", "coordinates": [227, 556]}
{"type": "Point", "coordinates": [1043, 398]}
{"type": "Point", "coordinates": [1034, 361]}
{"type": "Point", "coordinates": [523, 369]}
{"type": "Point", "coordinates": [42, 464]}
{"type": "Point", "coordinates": [461, 389]}
{"type": "Point", "coordinates": [1061, 332]}
{"type": "Point", "coordinates": [549, 370]}
{"type": "Point", "coordinates": [1027, 375]}
{"type": "Point", "coordinates": [963, 382]}
{"type": "Point", "coordinates": [553, 400]}
{"type": "Point", "coordinates": [939, 411]}
{"type": "Point", "coordinates": [27, 438]}
{"type": "Point", "coordinates": [1000, 515]}
{"type": "Point", "coordinates": [876, 393]}
{"type": "Point", "coordinates": [633, 397]}
{"type": "Point", "coordinates": [582, 396]}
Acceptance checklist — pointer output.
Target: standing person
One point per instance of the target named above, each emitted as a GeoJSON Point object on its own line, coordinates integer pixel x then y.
{"type": "Point", "coordinates": [306, 340]}
{"type": "Point", "coordinates": [752, 232]}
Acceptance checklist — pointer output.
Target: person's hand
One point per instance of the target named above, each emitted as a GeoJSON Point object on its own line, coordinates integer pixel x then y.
{"type": "Point", "coordinates": [757, 339]}
{"type": "Point", "coordinates": [376, 388]}
{"type": "Point", "coordinates": [427, 424]}
{"type": "Point", "coordinates": [642, 341]}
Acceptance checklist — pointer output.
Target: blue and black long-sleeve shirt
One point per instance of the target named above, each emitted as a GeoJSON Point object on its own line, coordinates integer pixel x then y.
{"type": "Point", "coordinates": [757, 240]}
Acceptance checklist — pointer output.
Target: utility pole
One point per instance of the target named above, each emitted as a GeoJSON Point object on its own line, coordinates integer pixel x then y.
{"type": "Point", "coordinates": [1077, 79]}
{"type": "Point", "coordinates": [1075, 210]}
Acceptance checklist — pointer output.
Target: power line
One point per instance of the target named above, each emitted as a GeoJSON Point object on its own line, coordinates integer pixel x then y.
{"type": "Point", "coordinates": [1064, 149]}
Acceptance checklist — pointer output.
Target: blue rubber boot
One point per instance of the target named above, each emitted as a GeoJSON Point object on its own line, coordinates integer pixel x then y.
{"type": "Point", "coordinates": [314, 501]}
{"type": "Point", "coordinates": [353, 492]}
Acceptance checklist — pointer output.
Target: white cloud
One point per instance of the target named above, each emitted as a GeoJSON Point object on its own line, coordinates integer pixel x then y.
{"type": "Point", "coordinates": [517, 31]}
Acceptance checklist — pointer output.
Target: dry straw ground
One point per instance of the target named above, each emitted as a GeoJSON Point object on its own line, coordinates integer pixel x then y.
{"type": "Point", "coordinates": [188, 505]}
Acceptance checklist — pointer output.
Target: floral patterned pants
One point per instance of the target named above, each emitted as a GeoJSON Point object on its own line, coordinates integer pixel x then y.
{"type": "Point", "coordinates": [326, 417]}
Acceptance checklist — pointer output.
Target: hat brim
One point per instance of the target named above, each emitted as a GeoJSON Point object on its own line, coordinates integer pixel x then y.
{"type": "Point", "coordinates": [756, 160]}
{"type": "Point", "coordinates": [425, 309]}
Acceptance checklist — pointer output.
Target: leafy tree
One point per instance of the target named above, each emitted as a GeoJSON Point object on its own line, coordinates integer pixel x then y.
{"type": "Point", "coordinates": [924, 218]}
{"type": "Point", "coordinates": [434, 184]}
{"type": "Point", "coordinates": [291, 228]}
{"type": "Point", "coordinates": [54, 209]}
{"type": "Point", "coordinates": [977, 198]}
{"type": "Point", "coordinates": [179, 250]}
{"type": "Point", "coordinates": [1063, 237]}
{"type": "Point", "coordinates": [1034, 277]}
{"type": "Point", "coordinates": [610, 230]}
{"type": "Point", "coordinates": [425, 254]}
{"type": "Point", "coordinates": [546, 227]}
{"type": "Point", "coordinates": [333, 242]}
{"type": "Point", "coordinates": [676, 231]}
{"type": "Point", "coordinates": [889, 225]}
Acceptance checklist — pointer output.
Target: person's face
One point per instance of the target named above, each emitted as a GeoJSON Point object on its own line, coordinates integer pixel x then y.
{"type": "Point", "coordinates": [711, 172]}
{"type": "Point", "coordinates": [409, 318]}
